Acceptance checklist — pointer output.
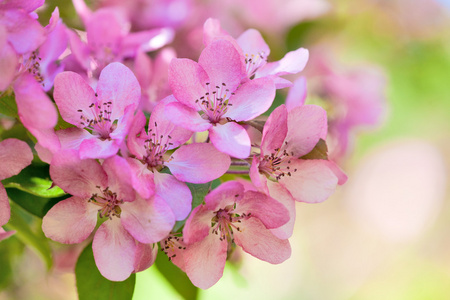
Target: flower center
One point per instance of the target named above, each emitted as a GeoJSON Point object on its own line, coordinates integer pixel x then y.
{"type": "Point", "coordinates": [253, 62]}
{"type": "Point", "coordinates": [214, 104]}
{"type": "Point", "coordinates": [32, 65]}
{"type": "Point", "coordinates": [277, 164]}
{"type": "Point", "coordinates": [225, 221]}
{"type": "Point", "coordinates": [102, 54]}
{"type": "Point", "coordinates": [108, 202]}
{"type": "Point", "coordinates": [101, 124]}
{"type": "Point", "coordinates": [171, 244]}
{"type": "Point", "coordinates": [156, 146]}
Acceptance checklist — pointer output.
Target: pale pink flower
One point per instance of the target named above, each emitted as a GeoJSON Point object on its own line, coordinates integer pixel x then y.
{"type": "Point", "coordinates": [213, 87]}
{"type": "Point", "coordinates": [106, 112]}
{"type": "Point", "coordinates": [195, 163]}
{"type": "Point", "coordinates": [121, 243]}
{"type": "Point", "coordinates": [232, 216]}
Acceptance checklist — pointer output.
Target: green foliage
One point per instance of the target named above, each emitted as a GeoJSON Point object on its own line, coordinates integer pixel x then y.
{"type": "Point", "coordinates": [8, 105]}
{"type": "Point", "coordinates": [35, 205]}
{"type": "Point", "coordinates": [21, 221]}
{"type": "Point", "coordinates": [177, 278]}
{"type": "Point", "coordinates": [91, 285]}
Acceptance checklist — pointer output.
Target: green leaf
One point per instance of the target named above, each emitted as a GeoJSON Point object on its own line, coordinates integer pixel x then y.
{"type": "Point", "coordinates": [35, 205]}
{"type": "Point", "coordinates": [320, 151]}
{"type": "Point", "coordinates": [36, 240]}
{"type": "Point", "coordinates": [91, 285]}
{"type": "Point", "coordinates": [199, 192]}
{"type": "Point", "coordinates": [8, 106]}
{"type": "Point", "coordinates": [34, 180]}
{"type": "Point", "coordinates": [177, 278]}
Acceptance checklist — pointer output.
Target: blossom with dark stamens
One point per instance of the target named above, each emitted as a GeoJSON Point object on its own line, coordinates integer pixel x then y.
{"type": "Point", "coordinates": [229, 217]}
{"type": "Point", "coordinates": [102, 117]}
{"type": "Point", "coordinates": [211, 97]}
{"type": "Point", "coordinates": [195, 163]}
{"type": "Point", "coordinates": [106, 191]}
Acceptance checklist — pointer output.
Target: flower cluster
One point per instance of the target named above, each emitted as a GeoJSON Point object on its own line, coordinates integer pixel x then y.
{"type": "Point", "coordinates": [136, 133]}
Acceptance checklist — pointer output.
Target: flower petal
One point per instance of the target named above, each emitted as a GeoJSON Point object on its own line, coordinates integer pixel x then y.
{"type": "Point", "coordinates": [198, 163]}
{"type": "Point", "coordinates": [198, 224]}
{"type": "Point", "coordinates": [5, 234]}
{"type": "Point", "coordinates": [147, 221]}
{"type": "Point", "coordinates": [258, 241]}
{"type": "Point", "coordinates": [14, 156]}
{"type": "Point", "coordinates": [186, 117]}
{"type": "Point", "coordinates": [279, 193]}
{"type": "Point", "coordinates": [275, 130]}
{"type": "Point", "coordinates": [225, 194]}
{"type": "Point", "coordinates": [119, 177]}
{"type": "Point", "coordinates": [231, 138]}
{"type": "Point", "coordinates": [251, 99]}
{"type": "Point", "coordinates": [8, 61]}
{"type": "Point", "coordinates": [145, 256]}
{"type": "Point", "coordinates": [98, 148]}
{"type": "Point", "coordinates": [252, 42]}
{"type": "Point", "coordinates": [70, 221]}
{"type": "Point", "coordinates": [117, 84]}
{"type": "Point", "coordinates": [312, 182]}
{"type": "Point", "coordinates": [297, 94]}
{"type": "Point", "coordinates": [292, 63]}
{"type": "Point", "coordinates": [142, 178]}
{"type": "Point", "coordinates": [176, 194]}
{"type": "Point", "coordinates": [5, 210]}
{"type": "Point", "coordinates": [114, 250]}
{"type": "Point", "coordinates": [205, 261]}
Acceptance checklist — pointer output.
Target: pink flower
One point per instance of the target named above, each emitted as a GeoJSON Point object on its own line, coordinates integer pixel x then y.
{"type": "Point", "coordinates": [106, 190]}
{"type": "Point", "coordinates": [286, 138]}
{"type": "Point", "coordinates": [108, 39]}
{"type": "Point", "coordinates": [255, 52]}
{"type": "Point", "coordinates": [231, 216]}
{"type": "Point", "coordinates": [213, 87]}
{"type": "Point", "coordinates": [195, 163]}
{"type": "Point", "coordinates": [107, 113]}
{"type": "Point", "coordinates": [14, 156]}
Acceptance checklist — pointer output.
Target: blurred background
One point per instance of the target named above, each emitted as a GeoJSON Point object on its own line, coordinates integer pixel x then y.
{"type": "Point", "coordinates": [385, 233]}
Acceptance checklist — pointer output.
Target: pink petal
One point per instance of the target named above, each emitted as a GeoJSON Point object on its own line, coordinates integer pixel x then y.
{"type": "Point", "coordinates": [251, 99]}
{"type": "Point", "coordinates": [8, 61]}
{"type": "Point", "coordinates": [252, 42]}
{"type": "Point", "coordinates": [71, 138]}
{"type": "Point", "coordinates": [14, 156]}
{"type": "Point", "coordinates": [26, 5]}
{"type": "Point", "coordinates": [292, 63]}
{"type": "Point", "coordinates": [70, 221]}
{"type": "Point", "coordinates": [82, 9]}
{"type": "Point", "coordinates": [119, 85]}
{"type": "Point", "coordinates": [198, 163]}
{"type": "Point", "coordinates": [5, 211]}
{"type": "Point", "coordinates": [205, 261]}
{"type": "Point", "coordinates": [148, 40]}
{"type": "Point", "coordinates": [312, 182]}
{"type": "Point", "coordinates": [342, 177]}
{"type": "Point", "coordinates": [161, 125]}
{"type": "Point", "coordinates": [258, 241]}
{"type": "Point", "coordinates": [5, 234]}
{"type": "Point", "coordinates": [305, 127]}
{"type": "Point", "coordinates": [75, 176]}
{"type": "Point", "coordinates": [98, 148]}
{"type": "Point", "coordinates": [114, 250]}
{"type": "Point", "coordinates": [270, 212]}
{"type": "Point", "coordinates": [187, 80]}
{"type": "Point", "coordinates": [231, 138]}
{"type": "Point", "coordinates": [280, 83]}
{"type": "Point", "coordinates": [35, 108]}
{"type": "Point", "coordinates": [225, 194]}
{"type": "Point", "coordinates": [223, 64]}
{"type": "Point", "coordinates": [279, 193]}
{"type": "Point", "coordinates": [212, 30]}
{"type": "Point", "coordinates": [176, 194]}
{"type": "Point", "coordinates": [73, 93]}
{"type": "Point", "coordinates": [259, 180]}
{"type": "Point", "coordinates": [174, 247]}
{"type": "Point", "coordinates": [136, 144]}
{"type": "Point", "coordinates": [147, 221]}
{"type": "Point", "coordinates": [297, 94]}
{"type": "Point", "coordinates": [24, 33]}
{"type": "Point", "coordinates": [275, 130]}
{"type": "Point", "coordinates": [145, 256]}
{"type": "Point", "coordinates": [119, 177]}
{"type": "Point", "coordinates": [142, 178]}
{"type": "Point", "coordinates": [79, 49]}
{"type": "Point", "coordinates": [198, 225]}
{"type": "Point", "coordinates": [186, 117]}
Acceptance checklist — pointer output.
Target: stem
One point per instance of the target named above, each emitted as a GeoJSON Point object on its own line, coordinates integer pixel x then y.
{"type": "Point", "coordinates": [237, 172]}
{"type": "Point", "coordinates": [240, 163]}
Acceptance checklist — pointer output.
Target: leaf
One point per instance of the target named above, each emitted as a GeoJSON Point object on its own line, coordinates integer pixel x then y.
{"type": "Point", "coordinates": [177, 278]}
{"type": "Point", "coordinates": [34, 180]}
{"type": "Point", "coordinates": [37, 241]}
{"type": "Point", "coordinates": [35, 205]}
{"type": "Point", "coordinates": [199, 192]}
{"type": "Point", "coordinates": [91, 285]}
{"type": "Point", "coordinates": [8, 106]}
{"type": "Point", "coordinates": [318, 152]}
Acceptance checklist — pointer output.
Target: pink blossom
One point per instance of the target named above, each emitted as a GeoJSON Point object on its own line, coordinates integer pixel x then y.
{"type": "Point", "coordinates": [195, 163]}
{"type": "Point", "coordinates": [107, 112]}
{"type": "Point", "coordinates": [232, 216]}
{"type": "Point", "coordinates": [108, 39]}
{"type": "Point", "coordinates": [255, 53]}
{"type": "Point", "coordinates": [14, 155]}
{"type": "Point", "coordinates": [286, 138]}
{"type": "Point", "coordinates": [213, 87]}
{"type": "Point", "coordinates": [106, 190]}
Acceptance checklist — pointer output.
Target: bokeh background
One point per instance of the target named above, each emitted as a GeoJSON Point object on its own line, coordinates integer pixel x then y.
{"type": "Point", "coordinates": [385, 233]}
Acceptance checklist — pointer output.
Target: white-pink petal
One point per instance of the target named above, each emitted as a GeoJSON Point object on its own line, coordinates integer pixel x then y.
{"type": "Point", "coordinates": [186, 117]}
{"type": "Point", "coordinates": [175, 193]}
{"type": "Point", "coordinates": [14, 156]}
{"type": "Point", "coordinates": [231, 138]}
